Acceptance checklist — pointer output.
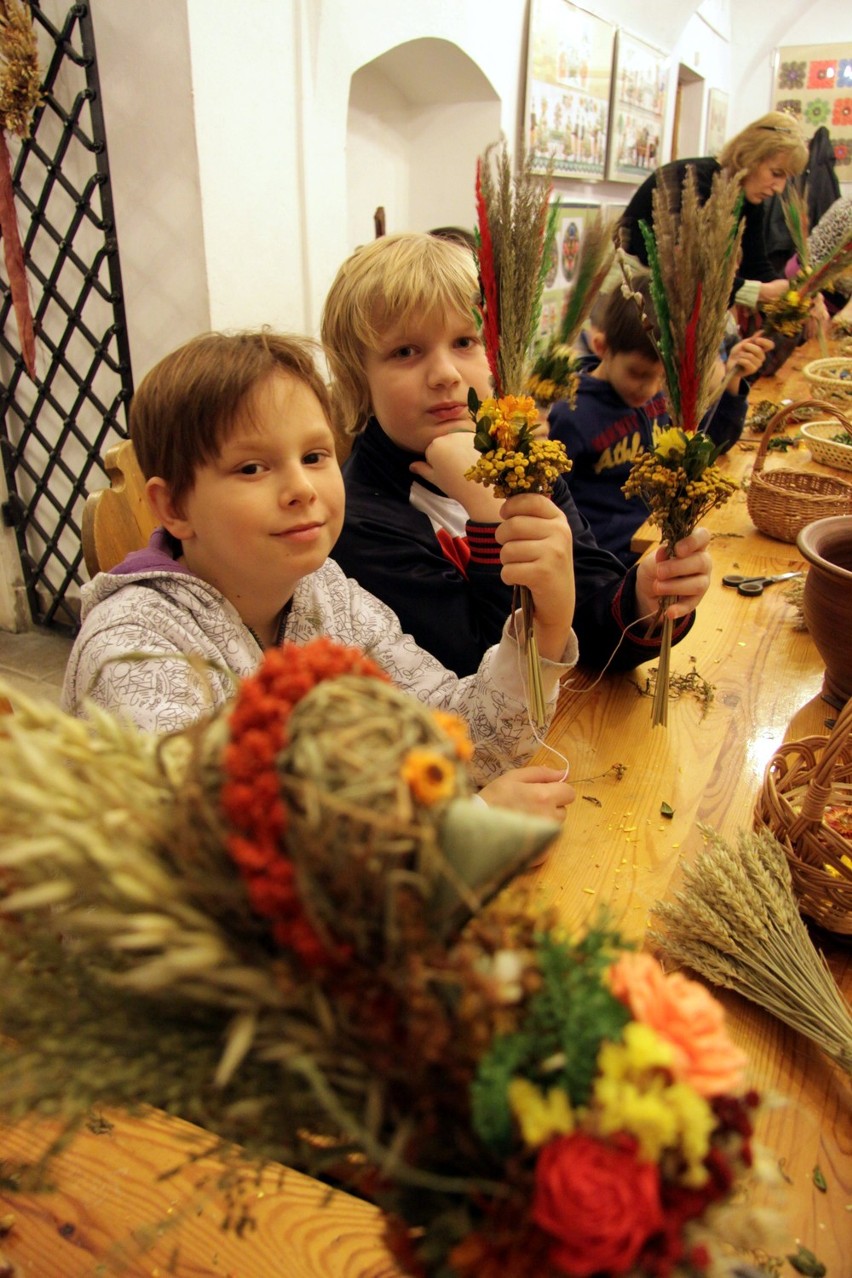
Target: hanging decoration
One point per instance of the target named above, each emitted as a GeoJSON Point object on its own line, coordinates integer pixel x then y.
{"type": "Point", "coordinates": [20, 94]}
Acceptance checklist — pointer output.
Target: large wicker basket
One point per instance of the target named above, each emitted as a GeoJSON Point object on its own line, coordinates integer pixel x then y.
{"type": "Point", "coordinates": [830, 376]}
{"type": "Point", "coordinates": [782, 502]}
{"type": "Point", "coordinates": [802, 779]}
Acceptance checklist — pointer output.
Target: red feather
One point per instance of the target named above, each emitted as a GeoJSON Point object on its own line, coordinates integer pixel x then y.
{"type": "Point", "coordinates": [488, 279]}
{"type": "Point", "coordinates": [688, 377]}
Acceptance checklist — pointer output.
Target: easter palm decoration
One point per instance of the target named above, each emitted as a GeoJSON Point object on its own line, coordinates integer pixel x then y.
{"type": "Point", "coordinates": [515, 227]}
{"type": "Point", "coordinates": [786, 314]}
{"type": "Point", "coordinates": [555, 372]}
{"type": "Point", "coordinates": [692, 258]}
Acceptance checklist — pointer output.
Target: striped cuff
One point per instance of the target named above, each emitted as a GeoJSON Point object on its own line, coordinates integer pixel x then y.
{"type": "Point", "coordinates": [483, 545]}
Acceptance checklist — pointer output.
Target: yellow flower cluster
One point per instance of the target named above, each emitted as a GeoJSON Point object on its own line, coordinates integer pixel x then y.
{"type": "Point", "coordinates": [508, 418]}
{"type": "Point", "coordinates": [672, 443]}
{"type": "Point", "coordinates": [786, 314]}
{"type": "Point", "coordinates": [533, 471]}
{"type": "Point", "coordinates": [634, 1093]}
{"type": "Point", "coordinates": [548, 390]}
{"type": "Point", "coordinates": [675, 502]}
{"type": "Point", "coordinates": [540, 1115]}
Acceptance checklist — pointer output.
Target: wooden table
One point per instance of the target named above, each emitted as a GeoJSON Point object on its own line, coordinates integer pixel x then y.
{"type": "Point", "coordinates": [111, 1214]}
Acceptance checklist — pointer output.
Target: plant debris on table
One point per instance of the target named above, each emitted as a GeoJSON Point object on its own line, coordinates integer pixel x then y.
{"type": "Point", "coordinates": [689, 684]}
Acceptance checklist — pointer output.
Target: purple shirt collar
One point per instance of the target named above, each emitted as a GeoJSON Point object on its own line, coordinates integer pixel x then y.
{"type": "Point", "coordinates": [158, 556]}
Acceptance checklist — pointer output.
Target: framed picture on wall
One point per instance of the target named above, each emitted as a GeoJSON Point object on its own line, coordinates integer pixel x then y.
{"type": "Point", "coordinates": [639, 87]}
{"type": "Point", "coordinates": [814, 83]}
{"type": "Point", "coordinates": [569, 72]}
{"type": "Point", "coordinates": [570, 225]}
{"type": "Point", "coordinates": [717, 122]}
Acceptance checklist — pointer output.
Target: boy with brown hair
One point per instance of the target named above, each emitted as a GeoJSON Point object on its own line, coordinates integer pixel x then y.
{"type": "Point", "coordinates": [620, 410]}
{"type": "Point", "coordinates": [233, 436]}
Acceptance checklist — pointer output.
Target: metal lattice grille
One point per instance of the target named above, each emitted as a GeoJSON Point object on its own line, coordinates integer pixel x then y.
{"type": "Point", "coordinates": [53, 433]}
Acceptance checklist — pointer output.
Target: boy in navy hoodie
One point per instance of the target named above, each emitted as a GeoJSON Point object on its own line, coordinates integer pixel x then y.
{"type": "Point", "coordinates": [621, 410]}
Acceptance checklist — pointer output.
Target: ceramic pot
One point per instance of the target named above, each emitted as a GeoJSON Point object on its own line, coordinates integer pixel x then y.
{"type": "Point", "coordinates": [827, 600]}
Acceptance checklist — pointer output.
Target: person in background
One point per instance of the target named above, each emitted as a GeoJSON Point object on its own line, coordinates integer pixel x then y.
{"type": "Point", "coordinates": [586, 348]}
{"type": "Point", "coordinates": [820, 186]}
{"type": "Point", "coordinates": [233, 437]}
{"type": "Point", "coordinates": [763, 157]}
{"type": "Point", "coordinates": [402, 341]}
{"type": "Point", "coordinates": [620, 410]}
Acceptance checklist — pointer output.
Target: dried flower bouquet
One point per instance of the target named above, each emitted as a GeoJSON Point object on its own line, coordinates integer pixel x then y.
{"type": "Point", "coordinates": [258, 924]}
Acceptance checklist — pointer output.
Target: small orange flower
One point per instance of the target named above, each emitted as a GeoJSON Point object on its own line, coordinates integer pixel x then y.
{"type": "Point", "coordinates": [456, 729]}
{"type": "Point", "coordinates": [429, 776]}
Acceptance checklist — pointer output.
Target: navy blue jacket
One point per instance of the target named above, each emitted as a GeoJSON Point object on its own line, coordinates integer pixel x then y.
{"type": "Point", "coordinates": [446, 588]}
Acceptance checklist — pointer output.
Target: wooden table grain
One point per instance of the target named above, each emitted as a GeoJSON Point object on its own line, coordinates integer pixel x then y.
{"type": "Point", "coordinates": [112, 1212]}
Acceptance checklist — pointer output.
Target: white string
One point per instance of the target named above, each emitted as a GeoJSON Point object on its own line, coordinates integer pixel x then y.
{"type": "Point", "coordinates": [575, 691]}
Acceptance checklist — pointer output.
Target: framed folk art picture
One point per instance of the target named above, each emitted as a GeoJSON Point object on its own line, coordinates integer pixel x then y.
{"type": "Point", "coordinates": [639, 88]}
{"type": "Point", "coordinates": [569, 73]}
{"type": "Point", "coordinates": [561, 269]}
{"type": "Point", "coordinates": [814, 83]}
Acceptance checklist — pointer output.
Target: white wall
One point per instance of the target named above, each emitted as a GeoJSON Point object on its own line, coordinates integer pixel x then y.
{"type": "Point", "coordinates": [146, 84]}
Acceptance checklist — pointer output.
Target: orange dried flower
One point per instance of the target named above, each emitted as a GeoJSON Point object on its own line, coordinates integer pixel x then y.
{"type": "Point", "coordinates": [685, 1015]}
{"type": "Point", "coordinates": [456, 729]}
{"type": "Point", "coordinates": [429, 776]}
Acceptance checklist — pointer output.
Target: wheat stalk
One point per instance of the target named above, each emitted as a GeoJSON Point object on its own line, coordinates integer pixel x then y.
{"type": "Point", "coordinates": [736, 922]}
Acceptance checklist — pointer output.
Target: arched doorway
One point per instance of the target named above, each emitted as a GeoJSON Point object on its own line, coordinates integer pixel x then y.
{"type": "Point", "coordinates": [419, 115]}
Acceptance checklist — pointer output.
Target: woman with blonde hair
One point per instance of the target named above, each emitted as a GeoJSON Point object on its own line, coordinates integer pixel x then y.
{"type": "Point", "coordinates": [762, 157]}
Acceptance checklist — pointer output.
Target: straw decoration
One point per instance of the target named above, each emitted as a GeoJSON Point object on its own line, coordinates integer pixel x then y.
{"type": "Point", "coordinates": [475, 1072]}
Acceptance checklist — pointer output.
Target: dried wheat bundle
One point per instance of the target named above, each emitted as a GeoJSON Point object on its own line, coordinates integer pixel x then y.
{"type": "Point", "coordinates": [20, 79]}
{"type": "Point", "coordinates": [736, 923]}
{"type": "Point", "coordinates": [516, 225]}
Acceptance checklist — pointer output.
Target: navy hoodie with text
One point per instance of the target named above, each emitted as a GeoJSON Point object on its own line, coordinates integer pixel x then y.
{"type": "Point", "coordinates": [603, 435]}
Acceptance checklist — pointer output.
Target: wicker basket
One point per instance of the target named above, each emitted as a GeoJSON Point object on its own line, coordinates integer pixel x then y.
{"type": "Point", "coordinates": [803, 777]}
{"type": "Point", "coordinates": [832, 376]}
{"type": "Point", "coordinates": [782, 502]}
{"type": "Point", "coordinates": [824, 448]}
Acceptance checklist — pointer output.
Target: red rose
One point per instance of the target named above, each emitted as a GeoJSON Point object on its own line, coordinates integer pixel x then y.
{"type": "Point", "coordinates": [597, 1201]}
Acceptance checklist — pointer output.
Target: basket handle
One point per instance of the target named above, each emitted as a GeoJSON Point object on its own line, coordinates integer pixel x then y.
{"type": "Point", "coordinates": [781, 416]}
{"type": "Point", "coordinates": [819, 786]}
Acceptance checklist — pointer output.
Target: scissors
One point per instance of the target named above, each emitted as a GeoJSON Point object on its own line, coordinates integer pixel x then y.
{"type": "Point", "coordinates": [755, 585]}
